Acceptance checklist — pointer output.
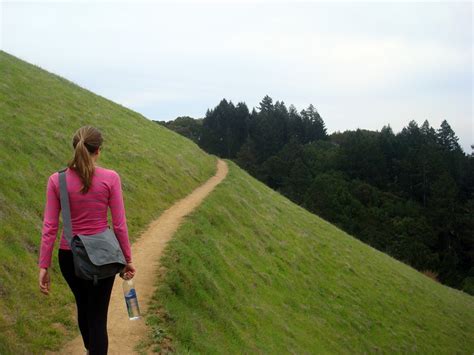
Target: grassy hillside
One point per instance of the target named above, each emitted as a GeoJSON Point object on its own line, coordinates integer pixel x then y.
{"type": "Point", "coordinates": [39, 113]}
{"type": "Point", "coordinates": [251, 272]}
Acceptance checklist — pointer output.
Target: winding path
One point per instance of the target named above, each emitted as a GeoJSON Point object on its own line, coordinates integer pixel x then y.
{"type": "Point", "coordinates": [147, 250]}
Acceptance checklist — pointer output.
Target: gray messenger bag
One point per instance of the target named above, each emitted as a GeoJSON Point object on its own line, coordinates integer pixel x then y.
{"type": "Point", "coordinates": [95, 256]}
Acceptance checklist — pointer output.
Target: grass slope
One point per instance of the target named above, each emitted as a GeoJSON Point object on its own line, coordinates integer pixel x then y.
{"type": "Point", "coordinates": [251, 272]}
{"type": "Point", "coordinates": [39, 113]}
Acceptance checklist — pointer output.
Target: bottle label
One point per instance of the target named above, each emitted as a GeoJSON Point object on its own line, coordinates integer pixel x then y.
{"type": "Point", "coordinates": [132, 303]}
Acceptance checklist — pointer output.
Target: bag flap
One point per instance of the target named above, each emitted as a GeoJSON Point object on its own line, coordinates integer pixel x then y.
{"type": "Point", "coordinates": [103, 248]}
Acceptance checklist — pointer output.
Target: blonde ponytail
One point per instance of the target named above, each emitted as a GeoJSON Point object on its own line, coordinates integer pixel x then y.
{"type": "Point", "coordinates": [86, 141]}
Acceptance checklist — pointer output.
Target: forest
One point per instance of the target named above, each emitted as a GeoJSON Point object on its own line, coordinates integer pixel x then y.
{"type": "Point", "coordinates": [408, 194]}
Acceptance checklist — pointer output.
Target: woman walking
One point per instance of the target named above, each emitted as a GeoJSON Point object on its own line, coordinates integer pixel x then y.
{"type": "Point", "coordinates": [91, 189]}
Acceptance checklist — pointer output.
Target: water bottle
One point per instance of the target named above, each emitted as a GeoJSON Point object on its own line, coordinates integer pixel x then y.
{"type": "Point", "coordinates": [131, 299]}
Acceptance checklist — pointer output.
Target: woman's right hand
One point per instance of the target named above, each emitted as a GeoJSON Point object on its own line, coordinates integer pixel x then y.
{"type": "Point", "coordinates": [128, 272]}
{"type": "Point", "coordinates": [44, 281]}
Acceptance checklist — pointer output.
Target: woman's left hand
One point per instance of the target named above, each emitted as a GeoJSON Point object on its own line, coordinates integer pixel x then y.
{"type": "Point", "coordinates": [44, 281]}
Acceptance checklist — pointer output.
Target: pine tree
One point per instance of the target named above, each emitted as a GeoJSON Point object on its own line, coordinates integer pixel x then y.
{"type": "Point", "coordinates": [266, 104]}
{"type": "Point", "coordinates": [313, 125]}
{"type": "Point", "coordinates": [447, 138]}
{"type": "Point", "coordinates": [295, 124]}
{"type": "Point", "coordinates": [428, 133]}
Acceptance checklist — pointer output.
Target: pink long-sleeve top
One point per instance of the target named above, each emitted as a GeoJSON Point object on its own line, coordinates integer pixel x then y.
{"type": "Point", "coordinates": [88, 211]}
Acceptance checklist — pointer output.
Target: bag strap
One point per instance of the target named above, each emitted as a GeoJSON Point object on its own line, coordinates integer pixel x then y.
{"type": "Point", "coordinates": [65, 210]}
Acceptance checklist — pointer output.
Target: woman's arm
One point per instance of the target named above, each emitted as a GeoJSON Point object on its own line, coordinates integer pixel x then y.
{"type": "Point", "coordinates": [50, 224]}
{"type": "Point", "coordinates": [119, 220]}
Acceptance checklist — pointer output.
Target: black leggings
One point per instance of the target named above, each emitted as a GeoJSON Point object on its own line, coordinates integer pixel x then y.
{"type": "Point", "coordinates": [92, 304]}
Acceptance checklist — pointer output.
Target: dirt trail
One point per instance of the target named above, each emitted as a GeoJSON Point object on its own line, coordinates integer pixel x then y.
{"type": "Point", "coordinates": [146, 252]}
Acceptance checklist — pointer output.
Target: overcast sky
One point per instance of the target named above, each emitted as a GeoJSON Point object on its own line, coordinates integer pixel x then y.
{"type": "Point", "coordinates": [362, 65]}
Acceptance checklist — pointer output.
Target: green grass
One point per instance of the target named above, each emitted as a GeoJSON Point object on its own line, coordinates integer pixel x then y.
{"type": "Point", "coordinates": [251, 272]}
{"type": "Point", "coordinates": [39, 114]}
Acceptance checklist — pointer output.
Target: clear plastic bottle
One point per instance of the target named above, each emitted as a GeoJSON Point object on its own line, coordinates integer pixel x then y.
{"type": "Point", "coordinates": [131, 299]}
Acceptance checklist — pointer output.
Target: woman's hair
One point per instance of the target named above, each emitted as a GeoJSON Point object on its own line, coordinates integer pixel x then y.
{"type": "Point", "coordinates": [86, 141]}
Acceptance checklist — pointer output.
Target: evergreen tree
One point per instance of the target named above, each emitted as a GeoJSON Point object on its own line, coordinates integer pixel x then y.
{"type": "Point", "coordinates": [388, 145]}
{"type": "Point", "coordinates": [428, 133]}
{"type": "Point", "coordinates": [238, 128]}
{"type": "Point", "coordinates": [269, 128]}
{"type": "Point", "coordinates": [407, 163]}
{"type": "Point", "coordinates": [281, 119]}
{"type": "Point", "coordinates": [447, 138]}
{"type": "Point", "coordinates": [318, 128]}
{"type": "Point", "coordinates": [313, 124]}
{"type": "Point", "coordinates": [429, 160]}
{"type": "Point", "coordinates": [266, 105]}
{"type": "Point", "coordinates": [225, 128]}
{"type": "Point", "coordinates": [295, 125]}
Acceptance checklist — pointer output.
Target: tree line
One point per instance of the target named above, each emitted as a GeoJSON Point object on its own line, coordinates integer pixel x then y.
{"type": "Point", "coordinates": [408, 194]}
